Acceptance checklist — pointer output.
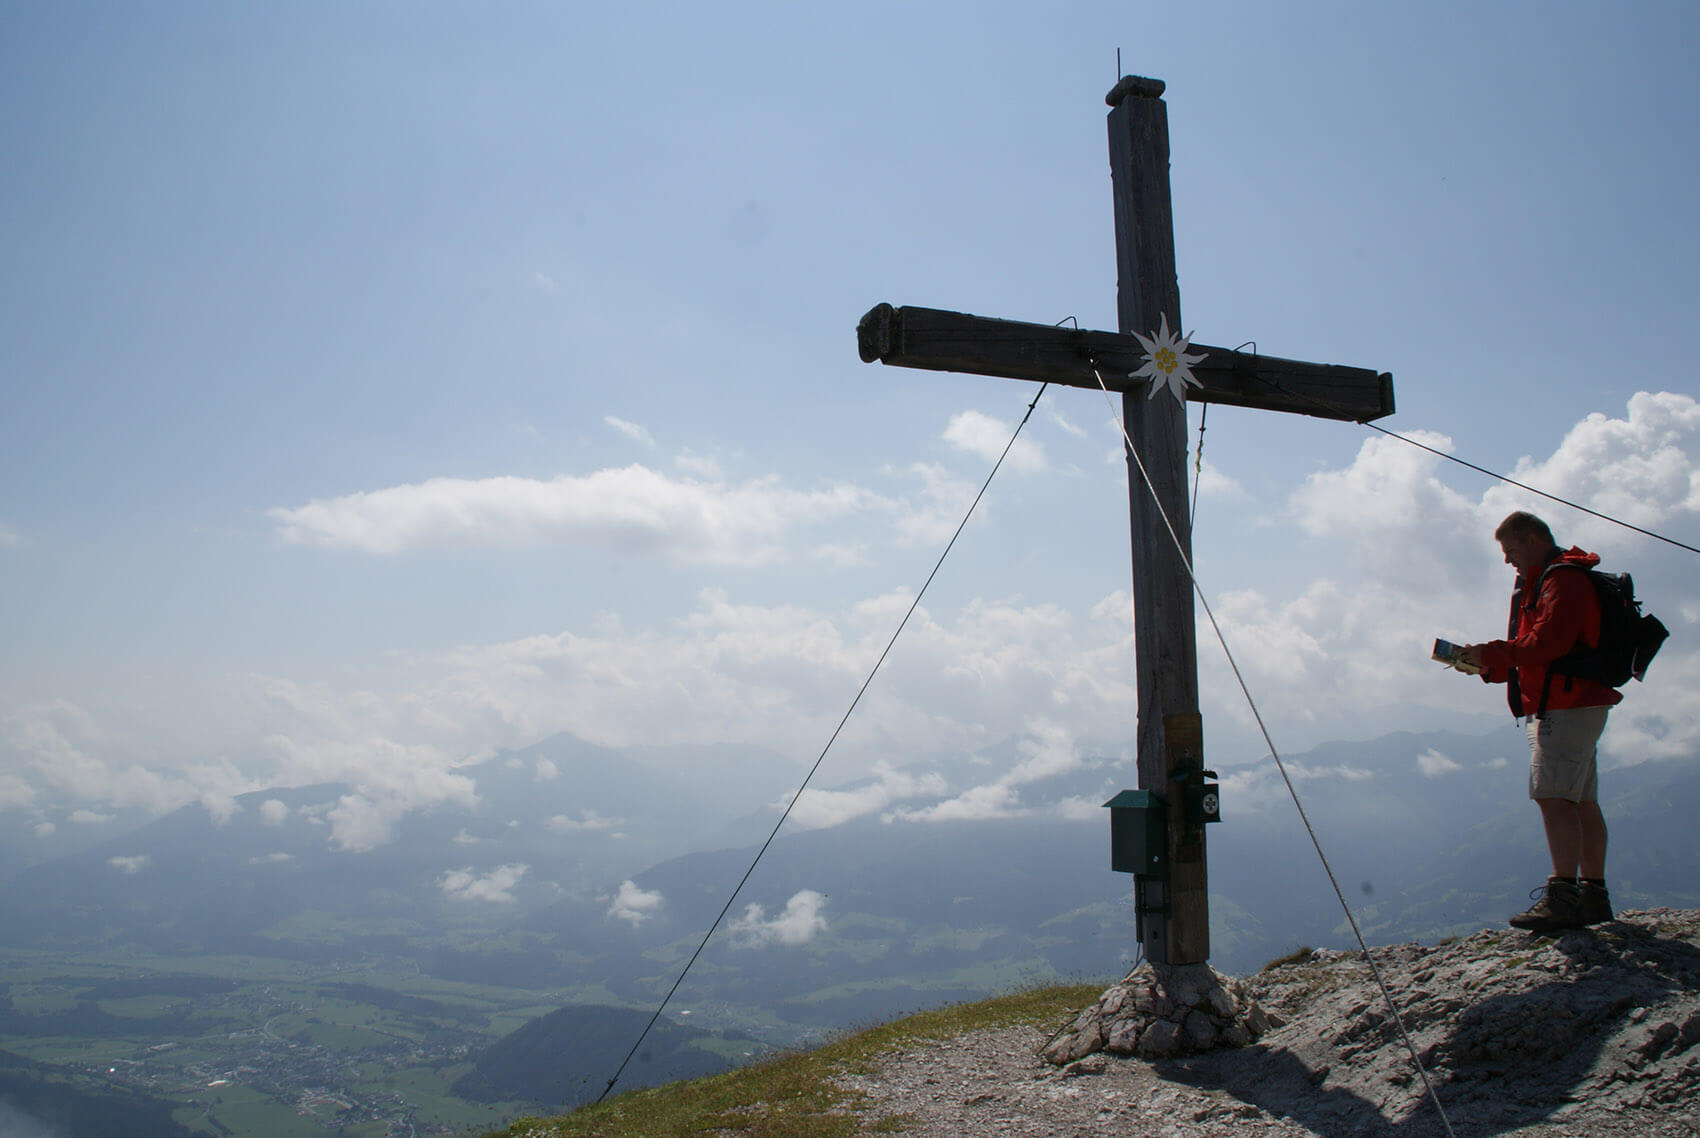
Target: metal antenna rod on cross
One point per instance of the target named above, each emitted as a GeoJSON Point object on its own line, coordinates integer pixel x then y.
{"type": "Point", "coordinates": [1173, 907]}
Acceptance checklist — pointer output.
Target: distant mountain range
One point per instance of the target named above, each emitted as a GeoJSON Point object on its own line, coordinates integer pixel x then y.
{"type": "Point", "coordinates": [548, 884]}
{"type": "Point", "coordinates": [1430, 834]}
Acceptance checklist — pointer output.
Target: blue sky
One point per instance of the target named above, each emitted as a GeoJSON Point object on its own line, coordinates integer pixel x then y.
{"type": "Point", "coordinates": [384, 384]}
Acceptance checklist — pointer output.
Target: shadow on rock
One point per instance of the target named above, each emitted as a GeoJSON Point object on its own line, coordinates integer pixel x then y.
{"type": "Point", "coordinates": [1512, 1029]}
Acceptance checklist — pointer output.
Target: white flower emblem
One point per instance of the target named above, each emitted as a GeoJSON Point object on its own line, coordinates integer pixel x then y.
{"type": "Point", "coordinates": [1167, 363]}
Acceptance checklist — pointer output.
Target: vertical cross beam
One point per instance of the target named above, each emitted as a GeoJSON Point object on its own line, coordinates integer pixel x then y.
{"type": "Point", "coordinates": [1176, 926]}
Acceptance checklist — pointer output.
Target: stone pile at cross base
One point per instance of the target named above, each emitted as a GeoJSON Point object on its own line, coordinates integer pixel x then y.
{"type": "Point", "coordinates": [1160, 1011]}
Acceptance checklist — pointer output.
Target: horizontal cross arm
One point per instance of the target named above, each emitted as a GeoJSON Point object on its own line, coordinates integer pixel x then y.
{"type": "Point", "coordinates": [937, 340]}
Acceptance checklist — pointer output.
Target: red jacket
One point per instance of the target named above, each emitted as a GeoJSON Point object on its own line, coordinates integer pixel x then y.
{"type": "Point", "coordinates": [1545, 626]}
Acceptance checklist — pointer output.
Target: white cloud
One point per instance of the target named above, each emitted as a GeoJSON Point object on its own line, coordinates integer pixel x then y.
{"type": "Point", "coordinates": [634, 905]}
{"type": "Point", "coordinates": [271, 859]}
{"type": "Point", "coordinates": [15, 792]}
{"type": "Point", "coordinates": [130, 866]}
{"type": "Point", "coordinates": [1260, 786]}
{"type": "Point", "coordinates": [1433, 764]}
{"type": "Point", "coordinates": [844, 555]}
{"type": "Point", "coordinates": [633, 431]}
{"type": "Point", "coordinates": [1077, 809]}
{"type": "Point", "coordinates": [1048, 750]}
{"type": "Point", "coordinates": [941, 503]}
{"type": "Point", "coordinates": [1643, 468]}
{"type": "Point", "coordinates": [9, 538]}
{"type": "Point", "coordinates": [1213, 483]}
{"type": "Point", "coordinates": [1659, 719]}
{"type": "Point", "coordinates": [89, 817]}
{"type": "Point", "coordinates": [1342, 654]}
{"type": "Point", "coordinates": [1117, 608]}
{"type": "Point", "coordinates": [985, 437]}
{"type": "Point", "coordinates": [820, 809]}
{"type": "Point", "coordinates": [496, 887]}
{"type": "Point", "coordinates": [360, 825]}
{"type": "Point", "coordinates": [391, 780]}
{"type": "Point", "coordinates": [800, 923]}
{"type": "Point", "coordinates": [273, 812]}
{"type": "Point", "coordinates": [545, 282]}
{"type": "Point", "coordinates": [58, 746]}
{"type": "Point", "coordinates": [991, 800]}
{"type": "Point", "coordinates": [588, 821]}
{"type": "Point", "coordinates": [633, 510]}
{"type": "Point", "coordinates": [1066, 424]}
{"type": "Point", "coordinates": [45, 830]}
{"type": "Point", "coordinates": [545, 770]}
{"type": "Point", "coordinates": [1347, 654]}
{"type": "Point", "coordinates": [220, 807]}
{"type": "Point", "coordinates": [700, 466]}
{"type": "Point", "coordinates": [958, 683]}
{"type": "Point", "coordinates": [1405, 526]}
{"type": "Point", "coordinates": [1388, 485]}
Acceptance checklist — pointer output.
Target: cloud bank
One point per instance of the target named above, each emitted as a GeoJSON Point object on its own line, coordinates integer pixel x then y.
{"type": "Point", "coordinates": [1342, 654]}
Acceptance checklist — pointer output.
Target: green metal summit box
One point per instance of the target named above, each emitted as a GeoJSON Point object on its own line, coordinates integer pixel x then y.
{"type": "Point", "coordinates": [1138, 833]}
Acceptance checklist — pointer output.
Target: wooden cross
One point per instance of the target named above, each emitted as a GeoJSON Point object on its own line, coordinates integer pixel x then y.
{"type": "Point", "coordinates": [1175, 923]}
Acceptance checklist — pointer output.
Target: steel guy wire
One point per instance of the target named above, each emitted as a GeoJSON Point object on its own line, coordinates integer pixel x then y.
{"type": "Point", "coordinates": [1292, 791]}
{"type": "Point", "coordinates": [777, 826]}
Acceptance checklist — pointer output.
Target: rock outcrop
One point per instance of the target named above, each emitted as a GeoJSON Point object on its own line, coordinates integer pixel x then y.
{"type": "Point", "coordinates": [1591, 1033]}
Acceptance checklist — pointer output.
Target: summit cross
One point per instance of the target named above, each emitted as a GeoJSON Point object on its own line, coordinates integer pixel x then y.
{"type": "Point", "coordinates": [1174, 913]}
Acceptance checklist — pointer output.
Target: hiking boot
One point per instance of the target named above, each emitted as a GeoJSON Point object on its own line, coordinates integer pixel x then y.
{"type": "Point", "coordinates": [1558, 907]}
{"type": "Point", "coordinates": [1594, 904]}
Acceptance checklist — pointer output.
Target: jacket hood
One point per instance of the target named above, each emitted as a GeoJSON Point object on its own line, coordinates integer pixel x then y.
{"type": "Point", "coordinates": [1576, 555]}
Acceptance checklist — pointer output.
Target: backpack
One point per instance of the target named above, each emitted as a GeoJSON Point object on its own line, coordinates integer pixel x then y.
{"type": "Point", "coordinates": [1629, 639]}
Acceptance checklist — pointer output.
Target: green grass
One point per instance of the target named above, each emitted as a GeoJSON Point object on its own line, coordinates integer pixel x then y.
{"type": "Point", "coordinates": [792, 1096]}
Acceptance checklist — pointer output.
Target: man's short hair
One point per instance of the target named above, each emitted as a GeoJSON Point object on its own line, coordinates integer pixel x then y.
{"type": "Point", "coordinates": [1523, 524]}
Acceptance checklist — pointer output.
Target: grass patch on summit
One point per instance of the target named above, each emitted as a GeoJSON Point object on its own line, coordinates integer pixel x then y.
{"type": "Point", "coordinates": [792, 1095]}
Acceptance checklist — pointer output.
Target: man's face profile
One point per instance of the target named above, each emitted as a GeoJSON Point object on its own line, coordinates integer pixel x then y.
{"type": "Point", "coordinates": [1525, 553]}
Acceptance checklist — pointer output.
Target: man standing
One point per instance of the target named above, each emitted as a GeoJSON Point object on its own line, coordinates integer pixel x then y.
{"type": "Point", "coordinates": [1553, 610]}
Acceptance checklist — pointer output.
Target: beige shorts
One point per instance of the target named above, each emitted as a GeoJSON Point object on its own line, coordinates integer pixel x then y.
{"type": "Point", "coordinates": [1562, 749]}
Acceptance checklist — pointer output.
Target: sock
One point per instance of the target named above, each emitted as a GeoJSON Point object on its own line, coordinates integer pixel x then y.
{"type": "Point", "coordinates": [1600, 881]}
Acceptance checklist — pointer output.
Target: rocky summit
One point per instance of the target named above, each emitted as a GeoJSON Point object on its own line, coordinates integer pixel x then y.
{"type": "Point", "coordinates": [1591, 1032]}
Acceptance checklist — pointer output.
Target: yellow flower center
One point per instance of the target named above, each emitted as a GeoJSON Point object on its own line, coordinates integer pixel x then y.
{"type": "Point", "coordinates": [1166, 361]}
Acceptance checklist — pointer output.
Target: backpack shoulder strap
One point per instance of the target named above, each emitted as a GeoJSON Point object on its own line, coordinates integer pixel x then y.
{"type": "Point", "coordinates": [1546, 683]}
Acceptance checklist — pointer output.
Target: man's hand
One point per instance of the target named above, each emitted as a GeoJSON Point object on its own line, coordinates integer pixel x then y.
{"type": "Point", "coordinates": [1471, 654]}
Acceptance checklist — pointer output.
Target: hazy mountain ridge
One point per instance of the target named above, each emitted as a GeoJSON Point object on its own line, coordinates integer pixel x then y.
{"type": "Point", "coordinates": [1430, 833]}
